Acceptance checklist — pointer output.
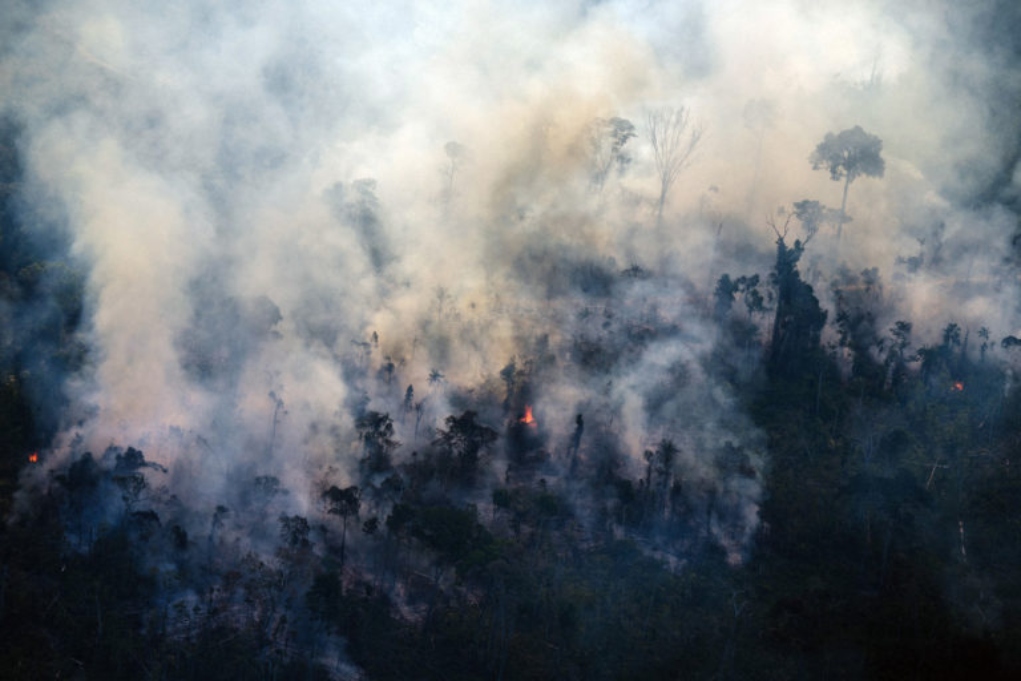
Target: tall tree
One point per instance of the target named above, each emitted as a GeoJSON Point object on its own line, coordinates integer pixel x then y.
{"type": "Point", "coordinates": [848, 155]}
{"type": "Point", "coordinates": [345, 503]}
{"type": "Point", "coordinates": [673, 139]}
{"type": "Point", "coordinates": [799, 320]}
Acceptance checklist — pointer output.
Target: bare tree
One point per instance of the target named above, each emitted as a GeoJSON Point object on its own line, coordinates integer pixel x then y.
{"type": "Point", "coordinates": [673, 139]}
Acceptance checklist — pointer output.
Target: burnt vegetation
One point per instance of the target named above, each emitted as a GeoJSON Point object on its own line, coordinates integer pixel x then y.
{"type": "Point", "coordinates": [868, 530]}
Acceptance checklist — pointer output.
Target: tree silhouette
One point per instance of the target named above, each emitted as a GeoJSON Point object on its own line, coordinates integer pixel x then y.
{"type": "Point", "coordinates": [673, 141]}
{"type": "Point", "coordinates": [345, 503]}
{"type": "Point", "coordinates": [799, 320]}
{"type": "Point", "coordinates": [812, 215]}
{"type": "Point", "coordinates": [376, 431]}
{"type": "Point", "coordinates": [464, 440]}
{"type": "Point", "coordinates": [848, 155]}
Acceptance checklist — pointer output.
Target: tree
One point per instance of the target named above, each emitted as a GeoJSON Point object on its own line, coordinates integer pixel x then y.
{"type": "Point", "coordinates": [897, 356]}
{"type": "Point", "coordinates": [607, 139]}
{"type": "Point", "coordinates": [673, 141]}
{"type": "Point", "coordinates": [799, 320]}
{"type": "Point", "coordinates": [345, 503]}
{"type": "Point", "coordinates": [127, 476]}
{"type": "Point", "coordinates": [463, 440]}
{"type": "Point", "coordinates": [848, 155]}
{"type": "Point", "coordinates": [814, 215]}
{"type": "Point", "coordinates": [278, 406]}
{"type": "Point", "coordinates": [294, 531]}
{"type": "Point", "coordinates": [859, 304]}
{"type": "Point", "coordinates": [727, 289]}
{"type": "Point", "coordinates": [376, 431]}
{"type": "Point", "coordinates": [659, 472]}
{"type": "Point", "coordinates": [357, 206]}
{"type": "Point", "coordinates": [983, 334]}
{"type": "Point", "coordinates": [409, 401]}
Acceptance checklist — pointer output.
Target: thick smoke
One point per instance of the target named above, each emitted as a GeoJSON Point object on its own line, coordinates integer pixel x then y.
{"type": "Point", "coordinates": [290, 213]}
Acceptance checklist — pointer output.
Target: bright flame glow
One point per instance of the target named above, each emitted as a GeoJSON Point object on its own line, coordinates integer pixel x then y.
{"type": "Point", "coordinates": [527, 418]}
{"type": "Point", "coordinates": [33, 457]}
{"type": "Point", "coordinates": [957, 386]}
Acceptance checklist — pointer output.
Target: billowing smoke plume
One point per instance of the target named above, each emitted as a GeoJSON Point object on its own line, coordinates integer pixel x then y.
{"type": "Point", "coordinates": [290, 214]}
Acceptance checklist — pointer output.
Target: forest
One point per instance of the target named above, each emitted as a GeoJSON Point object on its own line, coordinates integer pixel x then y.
{"type": "Point", "coordinates": [303, 380]}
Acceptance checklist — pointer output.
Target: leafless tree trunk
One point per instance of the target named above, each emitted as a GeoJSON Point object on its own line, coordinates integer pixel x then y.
{"type": "Point", "coordinates": [674, 139]}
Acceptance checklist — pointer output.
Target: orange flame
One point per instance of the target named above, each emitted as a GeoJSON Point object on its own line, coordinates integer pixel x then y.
{"type": "Point", "coordinates": [527, 418]}
{"type": "Point", "coordinates": [958, 386]}
{"type": "Point", "coordinates": [33, 457]}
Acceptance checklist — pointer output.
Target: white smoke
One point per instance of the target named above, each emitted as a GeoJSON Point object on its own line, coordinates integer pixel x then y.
{"type": "Point", "coordinates": [213, 166]}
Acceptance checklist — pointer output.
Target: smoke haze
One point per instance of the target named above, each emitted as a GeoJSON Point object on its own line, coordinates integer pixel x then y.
{"type": "Point", "coordinates": [277, 233]}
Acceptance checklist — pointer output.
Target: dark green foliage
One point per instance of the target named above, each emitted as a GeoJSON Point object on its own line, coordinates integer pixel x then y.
{"type": "Point", "coordinates": [376, 432]}
{"type": "Point", "coordinates": [888, 546]}
{"type": "Point", "coordinates": [133, 460]}
{"type": "Point", "coordinates": [726, 291]}
{"type": "Point", "coordinates": [462, 443]}
{"type": "Point", "coordinates": [343, 502]}
{"type": "Point", "coordinates": [943, 363]}
{"type": "Point", "coordinates": [454, 534]}
{"type": "Point", "coordinates": [799, 320]}
{"type": "Point", "coordinates": [859, 300]}
{"type": "Point", "coordinates": [346, 503]}
{"type": "Point", "coordinates": [294, 531]}
{"type": "Point", "coordinates": [724, 296]}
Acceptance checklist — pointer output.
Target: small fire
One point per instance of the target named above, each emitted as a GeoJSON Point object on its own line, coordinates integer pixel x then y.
{"type": "Point", "coordinates": [527, 419]}
{"type": "Point", "coordinates": [957, 386]}
{"type": "Point", "coordinates": [33, 457]}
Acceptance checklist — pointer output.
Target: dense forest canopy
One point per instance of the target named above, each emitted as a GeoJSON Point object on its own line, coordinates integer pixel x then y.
{"type": "Point", "coordinates": [589, 341]}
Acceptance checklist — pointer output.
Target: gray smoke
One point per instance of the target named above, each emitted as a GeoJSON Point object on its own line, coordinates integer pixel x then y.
{"type": "Point", "coordinates": [277, 230]}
